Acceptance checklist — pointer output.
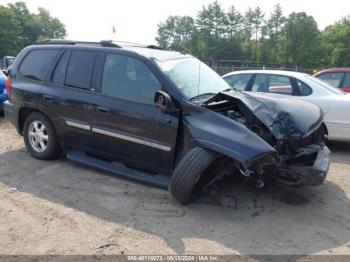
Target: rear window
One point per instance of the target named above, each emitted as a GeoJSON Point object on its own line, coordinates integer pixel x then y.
{"type": "Point", "coordinates": [80, 67]}
{"type": "Point", "coordinates": [36, 64]}
{"type": "Point", "coordinates": [332, 79]}
{"type": "Point", "coordinates": [305, 90]}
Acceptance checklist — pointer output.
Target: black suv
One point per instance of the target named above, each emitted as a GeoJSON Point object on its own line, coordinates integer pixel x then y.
{"type": "Point", "coordinates": [159, 117]}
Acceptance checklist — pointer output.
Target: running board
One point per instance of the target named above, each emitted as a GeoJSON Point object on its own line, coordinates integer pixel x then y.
{"type": "Point", "coordinates": [120, 170]}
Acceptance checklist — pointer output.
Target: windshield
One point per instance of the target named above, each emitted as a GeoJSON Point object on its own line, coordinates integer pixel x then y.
{"type": "Point", "coordinates": [325, 85]}
{"type": "Point", "coordinates": [193, 77]}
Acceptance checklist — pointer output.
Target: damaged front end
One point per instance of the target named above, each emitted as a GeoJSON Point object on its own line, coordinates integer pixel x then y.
{"type": "Point", "coordinates": [293, 128]}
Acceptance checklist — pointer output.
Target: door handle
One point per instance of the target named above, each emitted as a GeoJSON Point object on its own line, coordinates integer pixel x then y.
{"type": "Point", "coordinates": [104, 110]}
{"type": "Point", "coordinates": [47, 98]}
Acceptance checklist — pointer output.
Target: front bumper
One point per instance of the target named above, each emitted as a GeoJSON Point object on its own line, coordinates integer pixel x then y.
{"type": "Point", "coordinates": [299, 174]}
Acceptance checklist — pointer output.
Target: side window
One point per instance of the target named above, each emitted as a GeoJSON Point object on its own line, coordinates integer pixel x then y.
{"type": "Point", "coordinates": [304, 89]}
{"type": "Point", "coordinates": [128, 78]}
{"type": "Point", "coordinates": [59, 72]}
{"type": "Point", "coordinates": [332, 79]}
{"type": "Point", "coordinates": [80, 67]}
{"type": "Point", "coordinates": [36, 64]}
{"type": "Point", "coordinates": [238, 82]}
{"type": "Point", "coordinates": [272, 84]}
{"type": "Point", "coordinates": [346, 82]}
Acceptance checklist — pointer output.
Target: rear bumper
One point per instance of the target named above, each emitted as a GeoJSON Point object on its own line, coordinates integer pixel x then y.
{"type": "Point", "coordinates": [313, 175]}
{"type": "Point", "coordinates": [3, 98]}
{"type": "Point", "coordinates": [11, 114]}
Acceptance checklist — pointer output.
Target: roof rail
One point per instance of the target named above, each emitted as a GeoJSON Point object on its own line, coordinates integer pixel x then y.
{"type": "Point", "coordinates": [104, 43]}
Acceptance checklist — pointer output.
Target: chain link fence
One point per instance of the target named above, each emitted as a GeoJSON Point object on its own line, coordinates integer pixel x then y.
{"type": "Point", "coordinates": [222, 70]}
{"type": "Point", "coordinates": [223, 67]}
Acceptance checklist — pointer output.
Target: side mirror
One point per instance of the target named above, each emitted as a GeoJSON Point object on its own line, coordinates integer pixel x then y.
{"type": "Point", "coordinates": [5, 72]}
{"type": "Point", "coordinates": [163, 101]}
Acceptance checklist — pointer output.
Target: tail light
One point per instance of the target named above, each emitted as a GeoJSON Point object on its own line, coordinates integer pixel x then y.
{"type": "Point", "coordinates": [8, 87]}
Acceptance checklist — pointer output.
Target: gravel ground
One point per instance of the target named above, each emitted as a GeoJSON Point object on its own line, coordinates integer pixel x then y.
{"type": "Point", "coordinates": [59, 207]}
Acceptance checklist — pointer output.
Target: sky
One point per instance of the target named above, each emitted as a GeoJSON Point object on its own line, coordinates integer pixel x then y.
{"type": "Point", "coordinates": [136, 21]}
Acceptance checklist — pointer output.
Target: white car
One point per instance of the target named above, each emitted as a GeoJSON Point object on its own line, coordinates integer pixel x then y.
{"type": "Point", "coordinates": [334, 102]}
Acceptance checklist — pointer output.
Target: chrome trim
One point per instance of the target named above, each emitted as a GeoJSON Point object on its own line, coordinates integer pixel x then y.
{"type": "Point", "coordinates": [131, 139]}
{"type": "Point", "coordinates": [78, 125]}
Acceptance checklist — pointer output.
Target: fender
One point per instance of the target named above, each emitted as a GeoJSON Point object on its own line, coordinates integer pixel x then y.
{"type": "Point", "coordinates": [221, 134]}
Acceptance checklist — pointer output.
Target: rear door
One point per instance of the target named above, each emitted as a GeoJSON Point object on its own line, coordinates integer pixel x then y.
{"type": "Point", "coordinates": [270, 83]}
{"type": "Point", "coordinates": [68, 98]}
{"type": "Point", "coordinates": [30, 75]}
{"type": "Point", "coordinates": [127, 125]}
{"type": "Point", "coordinates": [238, 82]}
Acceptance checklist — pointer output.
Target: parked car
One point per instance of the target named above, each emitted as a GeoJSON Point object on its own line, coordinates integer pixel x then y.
{"type": "Point", "coordinates": [336, 77]}
{"type": "Point", "coordinates": [3, 93]}
{"type": "Point", "coordinates": [334, 102]}
{"type": "Point", "coordinates": [159, 117]}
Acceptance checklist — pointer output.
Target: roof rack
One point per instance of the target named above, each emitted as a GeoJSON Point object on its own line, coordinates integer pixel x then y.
{"type": "Point", "coordinates": [104, 43]}
{"type": "Point", "coordinates": [131, 44]}
{"type": "Point", "coordinates": [154, 47]}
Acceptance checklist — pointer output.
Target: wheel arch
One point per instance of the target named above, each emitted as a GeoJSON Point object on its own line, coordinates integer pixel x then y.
{"type": "Point", "coordinates": [24, 112]}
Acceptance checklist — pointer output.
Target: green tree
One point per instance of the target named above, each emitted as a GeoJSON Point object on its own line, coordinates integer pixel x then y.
{"type": "Point", "coordinates": [301, 40]}
{"type": "Point", "coordinates": [50, 27]}
{"type": "Point", "coordinates": [216, 34]}
{"type": "Point", "coordinates": [248, 32]}
{"type": "Point", "coordinates": [274, 26]}
{"type": "Point", "coordinates": [177, 33]}
{"type": "Point", "coordinates": [257, 25]}
{"type": "Point", "coordinates": [212, 20]}
{"type": "Point", "coordinates": [336, 41]}
{"type": "Point", "coordinates": [9, 32]}
{"type": "Point", "coordinates": [29, 26]}
{"type": "Point", "coordinates": [234, 22]}
{"type": "Point", "coordinates": [19, 27]}
{"type": "Point", "coordinates": [212, 32]}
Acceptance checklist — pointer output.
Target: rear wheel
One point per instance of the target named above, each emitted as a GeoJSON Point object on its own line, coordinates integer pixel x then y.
{"type": "Point", "coordinates": [188, 173]}
{"type": "Point", "coordinates": [40, 137]}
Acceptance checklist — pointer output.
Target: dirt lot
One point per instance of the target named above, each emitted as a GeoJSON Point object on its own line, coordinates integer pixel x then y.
{"type": "Point", "coordinates": [59, 207]}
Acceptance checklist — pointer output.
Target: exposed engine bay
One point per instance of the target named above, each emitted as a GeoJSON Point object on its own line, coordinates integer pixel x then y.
{"type": "Point", "coordinates": [300, 158]}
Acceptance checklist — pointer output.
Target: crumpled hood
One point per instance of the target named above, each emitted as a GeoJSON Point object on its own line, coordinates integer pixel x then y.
{"type": "Point", "coordinates": [286, 117]}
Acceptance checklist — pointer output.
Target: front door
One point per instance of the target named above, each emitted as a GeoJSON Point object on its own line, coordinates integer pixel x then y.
{"type": "Point", "coordinates": [126, 124]}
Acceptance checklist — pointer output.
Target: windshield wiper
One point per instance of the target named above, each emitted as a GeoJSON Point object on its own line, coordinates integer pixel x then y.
{"type": "Point", "coordinates": [202, 96]}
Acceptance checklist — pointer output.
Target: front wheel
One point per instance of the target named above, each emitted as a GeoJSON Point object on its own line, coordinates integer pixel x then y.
{"type": "Point", "coordinates": [40, 137]}
{"type": "Point", "coordinates": [188, 173]}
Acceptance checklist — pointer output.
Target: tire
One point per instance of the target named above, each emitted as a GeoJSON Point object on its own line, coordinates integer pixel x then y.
{"type": "Point", "coordinates": [41, 150]}
{"type": "Point", "coordinates": [188, 172]}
